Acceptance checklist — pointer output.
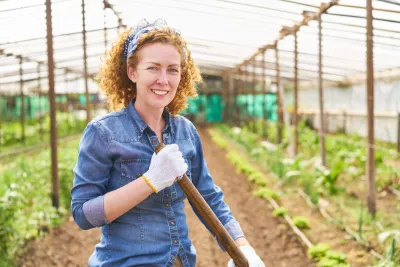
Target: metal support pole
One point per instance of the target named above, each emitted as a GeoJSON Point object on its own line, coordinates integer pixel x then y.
{"type": "Point", "coordinates": [246, 118]}
{"type": "Point", "coordinates": [296, 100]}
{"type": "Point", "coordinates": [21, 93]}
{"type": "Point", "coordinates": [67, 96]}
{"type": "Point", "coordinates": [120, 26]}
{"type": "Point", "coordinates": [253, 95]}
{"type": "Point", "coordinates": [231, 98]}
{"type": "Point", "coordinates": [234, 92]}
{"type": "Point", "coordinates": [52, 100]}
{"type": "Point", "coordinates": [279, 96]}
{"type": "Point", "coordinates": [370, 109]}
{"type": "Point", "coordinates": [85, 63]}
{"type": "Point", "coordinates": [264, 117]}
{"type": "Point", "coordinates": [225, 98]}
{"type": "Point", "coordinates": [39, 85]}
{"type": "Point", "coordinates": [105, 26]}
{"type": "Point", "coordinates": [321, 95]}
{"type": "Point", "coordinates": [237, 92]}
{"type": "Point", "coordinates": [206, 95]}
{"type": "Point", "coordinates": [240, 96]}
{"type": "Point", "coordinates": [1, 117]}
{"type": "Point", "coordinates": [398, 132]}
{"type": "Point", "coordinates": [344, 122]}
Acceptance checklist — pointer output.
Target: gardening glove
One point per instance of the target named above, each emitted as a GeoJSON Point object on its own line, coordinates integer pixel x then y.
{"type": "Point", "coordinates": [165, 167]}
{"type": "Point", "coordinates": [251, 255]}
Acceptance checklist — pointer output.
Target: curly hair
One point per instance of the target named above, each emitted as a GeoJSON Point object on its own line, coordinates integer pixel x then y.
{"type": "Point", "coordinates": [120, 90]}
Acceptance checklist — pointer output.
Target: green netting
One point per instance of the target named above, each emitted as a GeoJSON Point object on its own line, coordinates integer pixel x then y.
{"type": "Point", "coordinates": [210, 108]}
{"type": "Point", "coordinates": [82, 99]}
{"type": "Point", "coordinates": [10, 106]}
{"type": "Point", "coordinates": [257, 104]}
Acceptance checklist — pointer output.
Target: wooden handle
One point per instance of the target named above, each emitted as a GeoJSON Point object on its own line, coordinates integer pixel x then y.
{"type": "Point", "coordinates": [210, 218]}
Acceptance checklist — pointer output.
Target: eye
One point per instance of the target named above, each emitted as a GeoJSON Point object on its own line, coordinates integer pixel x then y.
{"type": "Point", "coordinates": [152, 68]}
{"type": "Point", "coordinates": [174, 70]}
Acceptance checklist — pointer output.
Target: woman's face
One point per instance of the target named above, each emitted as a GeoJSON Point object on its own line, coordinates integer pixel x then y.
{"type": "Point", "coordinates": [157, 75]}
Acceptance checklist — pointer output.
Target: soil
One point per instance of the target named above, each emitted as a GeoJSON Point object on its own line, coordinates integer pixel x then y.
{"type": "Point", "coordinates": [321, 231]}
{"type": "Point", "coordinates": [274, 242]}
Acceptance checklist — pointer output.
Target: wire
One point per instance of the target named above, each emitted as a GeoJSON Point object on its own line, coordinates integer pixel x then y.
{"type": "Point", "coordinates": [25, 7]}
{"type": "Point", "coordinates": [262, 7]}
{"type": "Point", "coordinates": [359, 26]}
{"type": "Point", "coordinates": [390, 2]}
{"type": "Point", "coordinates": [363, 7]}
{"type": "Point", "coordinates": [214, 14]}
{"type": "Point", "coordinates": [354, 32]}
{"type": "Point", "coordinates": [297, 3]}
{"type": "Point", "coordinates": [361, 17]}
{"type": "Point", "coordinates": [352, 39]}
{"type": "Point", "coordinates": [56, 36]}
{"type": "Point", "coordinates": [225, 8]}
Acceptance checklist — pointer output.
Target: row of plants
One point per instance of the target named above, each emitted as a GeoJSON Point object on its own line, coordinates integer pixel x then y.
{"type": "Point", "coordinates": [306, 173]}
{"type": "Point", "coordinates": [37, 130]}
{"type": "Point", "coordinates": [26, 210]}
{"type": "Point", "coordinates": [320, 253]}
{"type": "Point", "coordinates": [317, 180]}
{"type": "Point", "coordinates": [350, 149]}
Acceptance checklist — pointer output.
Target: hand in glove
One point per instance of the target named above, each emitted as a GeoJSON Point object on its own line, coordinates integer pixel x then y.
{"type": "Point", "coordinates": [165, 167]}
{"type": "Point", "coordinates": [252, 257]}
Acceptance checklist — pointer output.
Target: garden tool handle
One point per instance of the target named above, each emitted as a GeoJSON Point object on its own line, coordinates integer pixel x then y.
{"type": "Point", "coordinates": [205, 212]}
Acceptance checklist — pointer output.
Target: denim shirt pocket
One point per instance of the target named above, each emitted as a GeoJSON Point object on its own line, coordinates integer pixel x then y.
{"type": "Point", "coordinates": [132, 169]}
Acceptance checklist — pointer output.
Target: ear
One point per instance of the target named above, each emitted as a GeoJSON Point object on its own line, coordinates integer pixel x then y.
{"type": "Point", "coordinates": [132, 75]}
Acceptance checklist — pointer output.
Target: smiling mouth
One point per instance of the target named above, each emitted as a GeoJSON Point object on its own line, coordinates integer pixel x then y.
{"type": "Point", "coordinates": [159, 92]}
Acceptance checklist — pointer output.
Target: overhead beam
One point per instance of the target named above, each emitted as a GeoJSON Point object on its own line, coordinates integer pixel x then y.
{"type": "Point", "coordinates": [286, 31]}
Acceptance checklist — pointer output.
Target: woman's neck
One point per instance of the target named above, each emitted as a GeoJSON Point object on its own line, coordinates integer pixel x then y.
{"type": "Point", "coordinates": [153, 118]}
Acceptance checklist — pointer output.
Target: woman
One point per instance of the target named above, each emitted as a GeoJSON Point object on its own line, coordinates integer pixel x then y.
{"type": "Point", "coordinates": [120, 184]}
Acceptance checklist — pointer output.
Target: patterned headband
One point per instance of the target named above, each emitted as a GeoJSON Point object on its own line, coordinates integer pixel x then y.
{"type": "Point", "coordinates": [143, 27]}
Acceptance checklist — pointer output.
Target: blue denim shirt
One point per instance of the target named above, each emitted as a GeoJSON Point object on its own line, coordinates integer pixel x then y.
{"type": "Point", "coordinates": [116, 149]}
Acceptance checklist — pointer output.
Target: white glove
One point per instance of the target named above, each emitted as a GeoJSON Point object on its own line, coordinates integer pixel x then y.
{"type": "Point", "coordinates": [252, 257]}
{"type": "Point", "coordinates": [165, 167]}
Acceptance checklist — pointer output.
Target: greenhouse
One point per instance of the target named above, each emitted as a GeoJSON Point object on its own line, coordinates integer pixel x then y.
{"type": "Point", "coordinates": [200, 133]}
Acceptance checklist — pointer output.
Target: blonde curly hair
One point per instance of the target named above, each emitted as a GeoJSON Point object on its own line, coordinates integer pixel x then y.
{"type": "Point", "coordinates": [120, 90]}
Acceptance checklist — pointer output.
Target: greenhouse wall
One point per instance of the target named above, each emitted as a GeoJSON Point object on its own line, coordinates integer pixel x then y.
{"type": "Point", "coordinates": [346, 109]}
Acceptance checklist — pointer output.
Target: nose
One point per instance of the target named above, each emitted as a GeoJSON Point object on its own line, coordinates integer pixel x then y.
{"type": "Point", "coordinates": [163, 78]}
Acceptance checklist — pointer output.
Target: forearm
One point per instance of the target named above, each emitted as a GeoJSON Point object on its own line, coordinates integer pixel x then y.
{"type": "Point", "coordinates": [241, 241]}
{"type": "Point", "coordinates": [119, 201]}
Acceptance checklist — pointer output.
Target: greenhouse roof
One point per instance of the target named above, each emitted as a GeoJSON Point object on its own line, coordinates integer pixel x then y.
{"type": "Point", "coordinates": [221, 34]}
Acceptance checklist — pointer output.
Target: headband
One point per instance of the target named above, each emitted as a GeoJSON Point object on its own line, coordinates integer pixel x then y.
{"type": "Point", "coordinates": [143, 27]}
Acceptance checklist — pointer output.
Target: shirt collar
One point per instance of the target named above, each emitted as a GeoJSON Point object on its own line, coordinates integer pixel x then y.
{"type": "Point", "coordinates": [139, 122]}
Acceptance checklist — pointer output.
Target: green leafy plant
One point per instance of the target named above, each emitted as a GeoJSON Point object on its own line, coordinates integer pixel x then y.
{"type": "Point", "coordinates": [391, 238]}
{"type": "Point", "coordinates": [318, 251]}
{"type": "Point", "coordinates": [217, 138]}
{"type": "Point", "coordinates": [328, 178]}
{"type": "Point", "coordinates": [266, 193]}
{"type": "Point", "coordinates": [361, 223]}
{"type": "Point", "coordinates": [257, 178]}
{"type": "Point", "coordinates": [11, 131]}
{"type": "Point", "coordinates": [301, 222]}
{"type": "Point", "coordinates": [280, 212]}
{"type": "Point", "coordinates": [26, 211]}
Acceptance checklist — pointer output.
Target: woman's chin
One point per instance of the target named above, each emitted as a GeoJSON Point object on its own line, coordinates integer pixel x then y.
{"type": "Point", "coordinates": [160, 103]}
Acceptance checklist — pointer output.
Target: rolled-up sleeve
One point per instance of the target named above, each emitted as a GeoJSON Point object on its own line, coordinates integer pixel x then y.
{"type": "Point", "coordinates": [91, 175]}
{"type": "Point", "coordinates": [213, 195]}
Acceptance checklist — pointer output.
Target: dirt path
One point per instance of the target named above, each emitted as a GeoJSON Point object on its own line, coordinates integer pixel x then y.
{"type": "Point", "coordinates": [276, 245]}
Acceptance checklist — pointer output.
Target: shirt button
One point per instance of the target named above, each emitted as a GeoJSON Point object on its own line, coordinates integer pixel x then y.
{"type": "Point", "coordinates": [166, 205]}
{"type": "Point", "coordinates": [175, 241]}
{"type": "Point", "coordinates": [172, 258]}
{"type": "Point", "coordinates": [153, 139]}
{"type": "Point", "coordinates": [172, 223]}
